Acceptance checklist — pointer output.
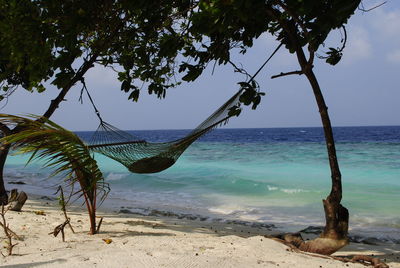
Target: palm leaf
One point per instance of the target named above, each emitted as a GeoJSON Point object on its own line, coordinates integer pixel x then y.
{"type": "Point", "coordinates": [60, 149]}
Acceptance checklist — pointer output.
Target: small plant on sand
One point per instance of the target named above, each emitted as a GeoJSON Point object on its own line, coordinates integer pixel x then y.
{"type": "Point", "coordinates": [9, 234]}
{"type": "Point", "coordinates": [63, 204]}
{"type": "Point", "coordinates": [63, 151]}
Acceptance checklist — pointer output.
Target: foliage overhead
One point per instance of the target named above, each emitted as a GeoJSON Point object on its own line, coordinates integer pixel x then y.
{"type": "Point", "coordinates": [149, 42]}
{"type": "Point", "coordinates": [237, 23]}
{"type": "Point", "coordinates": [219, 27]}
{"type": "Point", "coordinates": [45, 40]}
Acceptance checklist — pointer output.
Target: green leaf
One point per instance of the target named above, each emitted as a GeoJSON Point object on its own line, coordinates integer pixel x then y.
{"type": "Point", "coordinates": [134, 95]}
{"type": "Point", "coordinates": [193, 73]}
{"type": "Point", "coordinates": [125, 86]}
{"type": "Point", "coordinates": [234, 111]}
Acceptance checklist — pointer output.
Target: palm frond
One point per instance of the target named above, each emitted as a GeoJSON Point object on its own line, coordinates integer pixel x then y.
{"type": "Point", "coordinates": [60, 149]}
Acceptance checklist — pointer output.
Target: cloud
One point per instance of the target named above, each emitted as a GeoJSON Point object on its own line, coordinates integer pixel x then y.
{"type": "Point", "coordinates": [358, 45]}
{"type": "Point", "coordinates": [393, 56]}
{"type": "Point", "coordinates": [386, 22]}
{"type": "Point", "coordinates": [283, 58]}
{"type": "Point", "coordinates": [100, 76]}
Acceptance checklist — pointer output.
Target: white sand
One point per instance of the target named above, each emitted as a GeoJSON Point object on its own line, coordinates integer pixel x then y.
{"type": "Point", "coordinates": [156, 242]}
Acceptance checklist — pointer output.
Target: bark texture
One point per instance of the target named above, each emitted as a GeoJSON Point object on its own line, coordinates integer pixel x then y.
{"type": "Point", "coordinates": [335, 233]}
{"type": "Point", "coordinates": [3, 157]}
{"type": "Point", "coordinates": [18, 200]}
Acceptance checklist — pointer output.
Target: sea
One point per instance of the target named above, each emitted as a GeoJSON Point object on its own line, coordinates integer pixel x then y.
{"type": "Point", "coordinates": [273, 177]}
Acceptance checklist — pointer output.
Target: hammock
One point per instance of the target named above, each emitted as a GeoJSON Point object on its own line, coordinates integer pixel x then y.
{"type": "Point", "coordinates": [140, 156]}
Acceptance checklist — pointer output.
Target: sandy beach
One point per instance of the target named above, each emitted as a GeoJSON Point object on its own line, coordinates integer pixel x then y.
{"type": "Point", "coordinates": [145, 241]}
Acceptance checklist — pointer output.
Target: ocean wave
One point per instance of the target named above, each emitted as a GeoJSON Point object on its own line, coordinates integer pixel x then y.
{"type": "Point", "coordinates": [230, 210]}
{"type": "Point", "coordinates": [294, 191]}
{"type": "Point", "coordinates": [272, 188]}
{"type": "Point", "coordinates": [286, 190]}
{"type": "Point", "coordinates": [115, 176]}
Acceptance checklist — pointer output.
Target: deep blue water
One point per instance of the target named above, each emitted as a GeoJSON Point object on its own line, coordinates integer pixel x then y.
{"type": "Point", "coordinates": [271, 135]}
{"type": "Point", "coordinates": [277, 175]}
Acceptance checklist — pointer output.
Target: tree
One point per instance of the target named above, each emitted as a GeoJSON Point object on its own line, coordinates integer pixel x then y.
{"type": "Point", "coordinates": [219, 26]}
{"type": "Point", "coordinates": [58, 41]}
{"type": "Point", "coordinates": [145, 39]}
{"type": "Point", "coordinates": [63, 151]}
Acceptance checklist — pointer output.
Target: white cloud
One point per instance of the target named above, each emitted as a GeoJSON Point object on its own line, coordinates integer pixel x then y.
{"type": "Point", "coordinates": [100, 76]}
{"type": "Point", "coordinates": [393, 56]}
{"type": "Point", "coordinates": [283, 58]}
{"type": "Point", "coordinates": [387, 23]}
{"type": "Point", "coordinates": [358, 46]}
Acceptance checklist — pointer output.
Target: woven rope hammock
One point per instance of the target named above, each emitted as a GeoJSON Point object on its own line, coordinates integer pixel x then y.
{"type": "Point", "coordinates": [140, 156]}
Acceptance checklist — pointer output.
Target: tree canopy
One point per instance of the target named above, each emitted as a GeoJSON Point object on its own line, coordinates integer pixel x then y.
{"type": "Point", "coordinates": [155, 45]}
{"type": "Point", "coordinates": [59, 40]}
{"type": "Point", "coordinates": [150, 42]}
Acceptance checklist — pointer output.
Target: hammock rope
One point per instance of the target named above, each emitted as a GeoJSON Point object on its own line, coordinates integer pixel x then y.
{"type": "Point", "coordinates": [140, 156]}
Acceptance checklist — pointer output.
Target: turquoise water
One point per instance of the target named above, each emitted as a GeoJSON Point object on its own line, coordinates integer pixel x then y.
{"type": "Point", "coordinates": [260, 175]}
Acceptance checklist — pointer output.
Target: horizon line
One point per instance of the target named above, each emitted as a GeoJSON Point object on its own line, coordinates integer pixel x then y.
{"type": "Point", "coordinates": [243, 128]}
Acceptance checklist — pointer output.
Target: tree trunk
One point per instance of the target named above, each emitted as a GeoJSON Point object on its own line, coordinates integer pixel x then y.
{"type": "Point", "coordinates": [334, 236]}
{"type": "Point", "coordinates": [336, 215]}
{"type": "Point", "coordinates": [335, 233]}
{"type": "Point", "coordinates": [3, 157]}
{"type": "Point", "coordinates": [91, 208]}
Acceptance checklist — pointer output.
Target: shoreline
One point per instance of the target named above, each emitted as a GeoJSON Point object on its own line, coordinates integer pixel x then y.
{"type": "Point", "coordinates": [158, 241]}
{"type": "Point", "coordinates": [113, 205]}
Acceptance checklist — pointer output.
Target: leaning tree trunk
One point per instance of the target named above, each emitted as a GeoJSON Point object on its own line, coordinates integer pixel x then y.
{"type": "Point", "coordinates": [3, 157]}
{"type": "Point", "coordinates": [334, 236]}
{"type": "Point", "coordinates": [335, 233]}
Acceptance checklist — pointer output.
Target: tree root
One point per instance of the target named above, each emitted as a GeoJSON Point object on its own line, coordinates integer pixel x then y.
{"type": "Point", "coordinates": [323, 247]}
{"type": "Point", "coordinates": [364, 259]}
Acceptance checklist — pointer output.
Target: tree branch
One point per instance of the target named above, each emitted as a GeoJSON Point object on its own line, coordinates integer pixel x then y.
{"type": "Point", "coordinates": [6, 130]}
{"type": "Point", "coordinates": [78, 76]}
{"type": "Point", "coordinates": [369, 9]}
{"type": "Point", "coordinates": [295, 18]}
{"type": "Point", "coordinates": [290, 29]}
{"type": "Point", "coordinates": [285, 74]}
{"type": "Point", "coordinates": [344, 41]}
{"type": "Point", "coordinates": [82, 70]}
{"type": "Point", "coordinates": [239, 70]}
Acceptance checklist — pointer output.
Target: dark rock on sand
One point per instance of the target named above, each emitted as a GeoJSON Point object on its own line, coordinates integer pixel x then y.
{"type": "Point", "coordinates": [47, 198]}
{"type": "Point", "coordinates": [313, 230]}
{"type": "Point", "coordinates": [371, 241]}
{"type": "Point", "coordinates": [16, 182]}
{"type": "Point", "coordinates": [125, 211]}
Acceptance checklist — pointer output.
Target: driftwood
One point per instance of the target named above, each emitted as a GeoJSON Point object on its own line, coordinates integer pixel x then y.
{"type": "Point", "coordinates": [364, 259]}
{"type": "Point", "coordinates": [17, 200]}
{"type": "Point", "coordinates": [13, 195]}
{"type": "Point", "coordinates": [296, 243]}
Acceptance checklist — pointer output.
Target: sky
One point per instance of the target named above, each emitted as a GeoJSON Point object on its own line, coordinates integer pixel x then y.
{"type": "Point", "coordinates": [362, 90]}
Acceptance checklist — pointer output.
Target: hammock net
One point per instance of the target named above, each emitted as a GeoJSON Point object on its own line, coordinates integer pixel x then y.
{"type": "Point", "coordinates": [140, 156]}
